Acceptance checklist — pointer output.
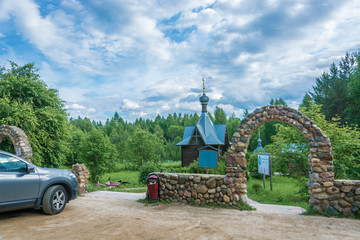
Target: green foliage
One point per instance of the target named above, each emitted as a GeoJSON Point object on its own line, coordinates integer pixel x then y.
{"type": "Point", "coordinates": [26, 102]}
{"type": "Point", "coordinates": [337, 91]}
{"type": "Point", "coordinates": [194, 167]}
{"type": "Point", "coordinates": [171, 151]}
{"type": "Point", "coordinates": [231, 126]}
{"type": "Point", "coordinates": [252, 166]}
{"type": "Point", "coordinates": [257, 187]}
{"type": "Point", "coordinates": [77, 137]}
{"type": "Point", "coordinates": [266, 132]}
{"type": "Point", "coordinates": [7, 145]}
{"type": "Point", "coordinates": [220, 170]}
{"type": "Point", "coordinates": [345, 144]}
{"type": "Point", "coordinates": [220, 116]}
{"type": "Point", "coordinates": [290, 150]}
{"type": "Point", "coordinates": [97, 153]}
{"type": "Point", "coordinates": [279, 101]}
{"type": "Point", "coordinates": [143, 147]}
{"type": "Point", "coordinates": [84, 124]}
{"type": "Point", "coordinates": [145, 170]}
{"type": "Point", "coordinates": [221, 167]}
{"type": "Point", "coordinates": [175, 131]}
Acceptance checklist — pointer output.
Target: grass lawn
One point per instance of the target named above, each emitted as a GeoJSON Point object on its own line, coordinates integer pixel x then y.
{"type": "Point", "coordinates": [286, 191]}
{"type": "Point", "coordinates": [125, 176]}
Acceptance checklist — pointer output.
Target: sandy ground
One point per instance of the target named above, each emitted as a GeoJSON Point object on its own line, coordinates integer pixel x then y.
{"type": "Point", "coordinates": [96, 217]}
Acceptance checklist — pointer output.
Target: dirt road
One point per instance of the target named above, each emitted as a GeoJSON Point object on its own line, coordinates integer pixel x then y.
{"type": "Point", "coordinates": [98, 218]}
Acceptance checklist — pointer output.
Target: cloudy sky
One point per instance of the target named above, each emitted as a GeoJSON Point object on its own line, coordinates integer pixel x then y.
{"type": "Point", "coordinates": [143, 58]}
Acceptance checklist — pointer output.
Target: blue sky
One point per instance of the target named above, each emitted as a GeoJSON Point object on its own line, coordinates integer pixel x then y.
{"type": "Point", "coordinates": [143, 58]}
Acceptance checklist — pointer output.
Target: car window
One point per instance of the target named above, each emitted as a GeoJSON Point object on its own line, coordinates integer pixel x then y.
{"type": "Point", "coordinates": [11, 164]}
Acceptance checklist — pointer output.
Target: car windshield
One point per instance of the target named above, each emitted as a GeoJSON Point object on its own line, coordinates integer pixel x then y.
{"type": "Point", "coordinates": [11, 164]}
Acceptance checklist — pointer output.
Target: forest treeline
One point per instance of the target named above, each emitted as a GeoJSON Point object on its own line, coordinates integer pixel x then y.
{"type": "Point", "coordinates": [27, 102]}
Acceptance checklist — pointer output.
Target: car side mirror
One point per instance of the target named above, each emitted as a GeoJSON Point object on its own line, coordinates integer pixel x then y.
{"type": "Point", "coordinates": [30, 168]}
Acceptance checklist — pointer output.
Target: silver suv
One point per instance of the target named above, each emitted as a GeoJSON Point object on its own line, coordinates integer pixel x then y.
{"type": "Point", "coordinates": [24, 185]}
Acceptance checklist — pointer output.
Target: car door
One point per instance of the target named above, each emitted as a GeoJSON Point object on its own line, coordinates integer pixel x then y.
{"type": "Point", "coordinates": [18, 187]}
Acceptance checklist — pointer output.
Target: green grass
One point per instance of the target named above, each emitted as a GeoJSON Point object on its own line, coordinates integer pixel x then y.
{"type": "Point", "coordinates": [286, 191]}
{"type": "Point", "coordinates": [170, 164]}
{"type": "Point", "coordinates": [126, 176]}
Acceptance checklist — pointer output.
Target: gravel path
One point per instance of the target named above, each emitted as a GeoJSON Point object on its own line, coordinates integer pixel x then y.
{"type": "Point", "coordinates": [264, 208]}
{"type": "Point", "coordinates": [105, 215]}
{"type": "Point", "coordinates": [116, 195]}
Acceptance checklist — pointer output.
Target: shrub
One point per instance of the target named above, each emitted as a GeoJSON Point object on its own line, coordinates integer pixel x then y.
{"type": "Point", "coordinates": [194, 167]}
{"type": "Point", "coordinates": [257, 187]}
{"type": "Point", "coordinates": [145, 170]}
{"type": "Point", "coordinates": [221, 167]}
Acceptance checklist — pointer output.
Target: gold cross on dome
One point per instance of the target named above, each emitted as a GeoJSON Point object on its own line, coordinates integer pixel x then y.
{"type": "Point", "coordinates": [203, 85]}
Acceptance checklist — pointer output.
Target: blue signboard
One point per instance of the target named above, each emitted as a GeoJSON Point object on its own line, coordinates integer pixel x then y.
{"type": "Point", "coordinates": [208, 159]}
{"type": "Point", "coordinates": [264, 163]}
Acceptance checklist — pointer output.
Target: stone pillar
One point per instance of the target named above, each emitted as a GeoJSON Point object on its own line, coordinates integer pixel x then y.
{"type": "Point", "coordinates": [82, 174]}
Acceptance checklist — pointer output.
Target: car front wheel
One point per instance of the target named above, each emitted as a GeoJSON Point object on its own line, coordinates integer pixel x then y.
{"type": "Point", "coordinates": [54, 200]}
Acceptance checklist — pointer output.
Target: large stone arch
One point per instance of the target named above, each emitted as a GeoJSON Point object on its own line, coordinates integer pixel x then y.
{"type": "Point", "coordinates": [320, 158]}
{"type": "Point", "coordinates": [19, 139]}
{"type": "Point", "coordinates": [326, 194]}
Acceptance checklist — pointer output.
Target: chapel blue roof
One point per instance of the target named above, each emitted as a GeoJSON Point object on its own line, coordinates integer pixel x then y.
{"type": "Point", "coordinates": [211, 134]}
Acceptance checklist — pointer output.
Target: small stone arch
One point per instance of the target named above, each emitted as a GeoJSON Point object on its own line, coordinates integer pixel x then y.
{"type": "Point", "coordinates": [19, 139]}
{"type": "Point", "coordinates": [320, 158]}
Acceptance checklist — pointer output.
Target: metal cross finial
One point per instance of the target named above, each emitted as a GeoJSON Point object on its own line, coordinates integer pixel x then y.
{"type": "Point", "coordinates": [203, 85]}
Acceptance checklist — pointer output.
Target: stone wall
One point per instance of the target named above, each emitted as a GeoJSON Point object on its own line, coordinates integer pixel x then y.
{"type": "Point", "coordinates": [198, 188]}
{"type": "Point", "coordinates": [326, 194]}
{"type": "Point", "coordinates": [341, 196]}
{"type": "Point", "coordinates": [19, 139]}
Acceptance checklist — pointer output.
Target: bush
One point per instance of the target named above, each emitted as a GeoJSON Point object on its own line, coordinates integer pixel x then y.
{"type": "Point", "coordinates": [145, 170]}
{"type": "Point", "coordinates": [220, 170]}
{"type": "Point", "coordinates": [257, 187]}
{"type": "Point", "coordinates": [194, 167]}
{"type": "Point", "coordinates": [221, 167]}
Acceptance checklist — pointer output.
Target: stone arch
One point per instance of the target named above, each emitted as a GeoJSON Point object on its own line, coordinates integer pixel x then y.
{"type": "Point", "coordinates": [320, 158]}
{"type": "Point", "coordinates": [19, 139]}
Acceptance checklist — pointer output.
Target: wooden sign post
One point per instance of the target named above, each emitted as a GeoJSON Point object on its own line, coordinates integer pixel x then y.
{"type": "Point", "coordinates": [264, 166]}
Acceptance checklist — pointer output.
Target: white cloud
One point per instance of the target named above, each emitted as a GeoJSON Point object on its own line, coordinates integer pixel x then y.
{"type": "Point", "coordinates": [147, 57]}
{"type": "Point", "coordinates": [75, 106]}
{"type": "Point", "coordinates": [130, 105]}
{"type": "Point", "coordinates": [92, 110]}
{"type": "Point", "coordinates": [140, 114]}
{"type": "Point", "coordinates": [72, 5]}
{"type": "Point", "coordinates": [80, 110]}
